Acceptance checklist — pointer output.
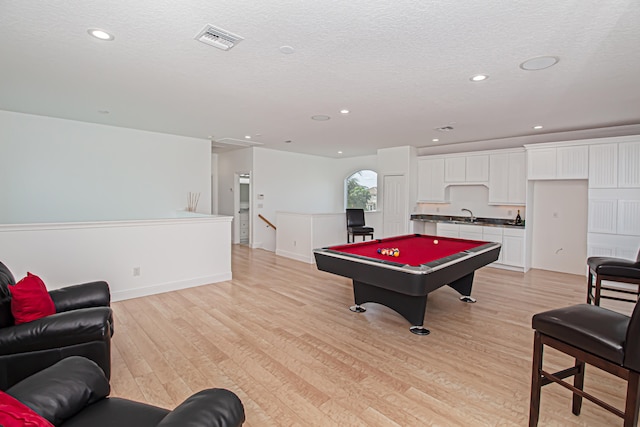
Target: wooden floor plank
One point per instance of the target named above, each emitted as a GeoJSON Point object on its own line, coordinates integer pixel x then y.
{"type": "Point", "coordinates": [281, 336]}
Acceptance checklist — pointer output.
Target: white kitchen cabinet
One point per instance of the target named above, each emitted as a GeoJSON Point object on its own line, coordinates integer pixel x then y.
{"type": "Point", "coordinates": [572, 162]}
{"type": "Point", "coordinates": [513, 247]}
{"type": "Point", "coordinates": [466, 169]}
{"type": "Point", "coordinates": [603, 214]}
{"type": "Point", "coordinates": [629, 165]}
{"type": "Point", "coordinates": [493, 234]}
{"type": "Point", "coordinates": [455, 169]}
{"type": "Point", "coordinates": [517, 194]}
{"type": "Point", "coordinates": [507, 179]}
{"type": "Point", "coordinates": [448, 230]}
{"type": "Point", "coordinates": [541, 163]}
{"type": "Point", "coordinates": [628, 214]}
{"type": "Point", "coordinates": [477, 168]}
{"type": "Point", "coordinates": [470, 232]}
{"type": "Point", "coordinates": [603, 166]}
{"type": "Point", "coordinates": [431, 180]}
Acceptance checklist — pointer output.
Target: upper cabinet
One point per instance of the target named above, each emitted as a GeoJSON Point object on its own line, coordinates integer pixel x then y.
{"type": "Point", "coordinates": [503, 171]}
{"type": "Point", "coordinates": [431, 180]}
{"type": "Point", "coordinates": [629, 165]}
{"type": "Point", "coordinates": [541, 163]}
{"type": "Point", "coordinates": [603, 166]}
{"type": "Point", "coordinates": [466, 169]}
{"type": "Point", "coordinates": [507, 183]}
{"type": "Point", "coordinates": [614, 165]}
{"type": "Point", "coordinates": [477, 168]}
{"type": "Point", "coordinates": [570, 162]}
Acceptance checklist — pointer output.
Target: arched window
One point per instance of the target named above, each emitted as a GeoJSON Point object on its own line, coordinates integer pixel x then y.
{"type": "Point", "coordinates": [361, 190]}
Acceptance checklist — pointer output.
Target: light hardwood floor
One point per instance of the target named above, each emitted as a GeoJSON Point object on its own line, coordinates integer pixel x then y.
{"type": "Point", "coordinates": [281, 336]}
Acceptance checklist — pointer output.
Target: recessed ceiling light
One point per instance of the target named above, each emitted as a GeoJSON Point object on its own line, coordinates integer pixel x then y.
{"type": "Point", "coordinates": [479, 77]}
{"type": "Point", "coordinates": [100, 34]}
{"type": "Point", "coordinates": [288, 141]}
{"type": "Point", "coordinates": [103, 111]}
{"type": "Point", "coordinates": [435, 140]}
{"type": "Point", "coordinates": [344, 111]}
{"type": "Point", "coordinates": [539, 63]}
{"type": "Point", "coordinates": [320, 118]}
{"type": "Point", "coordinates": [536, 127]}
{"type": "Point", "coordinates": [339, 152]}
{"type": "Point", "coordinates": [247, 137]}
{"type": "Point", "coordinates": [445, 129]}
{"type": "Point", "coordinates": [287, 50]}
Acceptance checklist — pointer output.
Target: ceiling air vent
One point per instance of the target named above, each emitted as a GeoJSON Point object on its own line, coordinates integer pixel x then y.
{"type": "Point", "coordinates": [217, 37]}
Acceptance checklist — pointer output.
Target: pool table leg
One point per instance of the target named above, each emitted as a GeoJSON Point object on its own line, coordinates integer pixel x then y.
{"type": "Point", "coordinates": [463, 286]}
{"type": "Point", "coordinates": [410, 307]}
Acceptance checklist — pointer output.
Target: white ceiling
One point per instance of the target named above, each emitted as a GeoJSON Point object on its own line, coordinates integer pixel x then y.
{"type": "Point", "coordinates": [402, 68]}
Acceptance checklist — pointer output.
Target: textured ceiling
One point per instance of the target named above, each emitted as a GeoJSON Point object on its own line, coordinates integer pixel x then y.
{"type": "Point", "coordinates": [401, 67]}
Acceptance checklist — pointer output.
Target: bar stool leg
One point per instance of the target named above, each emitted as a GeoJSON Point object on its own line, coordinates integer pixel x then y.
{"type": "Point", "coordinates": [632, 403]}
{"type": "Point", "coordinates": [596, 300]}
{"type": "Point", "coordinates": [590, 287]}
{"type": "Point", "coordinates": [536, 381]}
{"type": "Point", "coordinates": [578, 382]}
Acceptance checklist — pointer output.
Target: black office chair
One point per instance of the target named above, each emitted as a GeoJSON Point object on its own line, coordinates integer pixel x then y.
{"type": "Point", "coordinates": [356, 225]}
{"type": "Point", "coordinates": [613, 270]}
{"type": "Point", "coordinates": [592, 335]}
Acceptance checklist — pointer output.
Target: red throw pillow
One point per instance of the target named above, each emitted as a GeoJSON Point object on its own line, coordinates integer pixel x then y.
{"type": "Point", "coordinates": [14, 413]}
{"type": "Point", "coordinates": [30, 300]}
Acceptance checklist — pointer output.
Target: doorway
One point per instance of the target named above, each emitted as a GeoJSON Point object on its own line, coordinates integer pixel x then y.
{"type": "Point", "coordinates": [242, 204]}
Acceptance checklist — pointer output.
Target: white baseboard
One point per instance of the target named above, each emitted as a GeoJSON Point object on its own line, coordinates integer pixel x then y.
{"type": "Point", "coordinates": [168, 287]}
{"type": "Point", "coordinates": [294, 255]}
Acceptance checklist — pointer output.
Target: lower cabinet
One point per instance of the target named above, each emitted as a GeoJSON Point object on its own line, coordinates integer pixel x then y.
{"type": "Point", "coordinates": [493, 234]}
{"type": "Point", "coordinates": [448, 230]}
{"type": "Point", "coordinates": [513, 247]}
{"type": "Point", "coordinates": [511, 239]}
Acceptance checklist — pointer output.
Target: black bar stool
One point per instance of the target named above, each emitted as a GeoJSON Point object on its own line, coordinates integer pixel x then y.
{"type": "Point", "coordinates": [592, 335]}
{"type": "Point", "coordinates": [613, 270]}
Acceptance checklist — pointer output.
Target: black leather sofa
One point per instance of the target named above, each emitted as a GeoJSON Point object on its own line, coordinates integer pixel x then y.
{"type": "Point", "coordinates": [81, 326]}
{"type": "Point", "coordinates": [73, 393]}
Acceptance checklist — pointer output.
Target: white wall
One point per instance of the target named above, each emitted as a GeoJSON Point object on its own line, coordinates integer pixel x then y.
{"type": "Point", "coordinates": [168, 254]}
{"type": "Point", "coordinates": [299, 183]}
{"type": "Point", "coordinates": [56, 170]}
{"type": "Point", "coordinates": [560, 218]}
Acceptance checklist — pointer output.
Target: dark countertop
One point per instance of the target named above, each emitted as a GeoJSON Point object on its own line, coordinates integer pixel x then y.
{"type": "Point", "coordinates": [491, 222]}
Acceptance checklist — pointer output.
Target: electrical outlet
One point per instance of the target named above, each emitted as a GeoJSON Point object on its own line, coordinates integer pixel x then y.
{"type": "Point", "coordinates": [295, 243]}
{"type": "Point", "coordinates": [509, 212]}
{"type": "Point", "coordinates": [136, 271]}
{"type": "Point", "coordinates": [437, 209]}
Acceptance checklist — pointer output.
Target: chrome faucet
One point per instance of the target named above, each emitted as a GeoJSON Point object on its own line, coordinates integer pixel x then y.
{"type": "Point", "coordinates": [472, 219]}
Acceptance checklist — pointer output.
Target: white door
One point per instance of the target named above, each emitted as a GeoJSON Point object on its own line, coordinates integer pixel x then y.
{"type": "Point", "coordinates": [394, 206]}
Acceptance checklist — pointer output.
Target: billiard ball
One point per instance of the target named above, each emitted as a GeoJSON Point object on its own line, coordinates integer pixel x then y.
{"type": "Point", "coordinates": [435, 242]}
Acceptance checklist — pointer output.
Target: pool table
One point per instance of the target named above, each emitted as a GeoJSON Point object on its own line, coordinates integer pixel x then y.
{"type": "Point", "coordinates": [403, 282]}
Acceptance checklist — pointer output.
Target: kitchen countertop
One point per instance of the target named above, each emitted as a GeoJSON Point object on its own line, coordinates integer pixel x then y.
{"type": "Point", "coordinates": [451, 219]}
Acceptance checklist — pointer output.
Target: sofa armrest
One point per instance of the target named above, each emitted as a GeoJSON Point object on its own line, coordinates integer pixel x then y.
{"type": "Point", "coordinates": [58, 330]}
{"type": "Point", "coordinates": [209, 408]}
{"type": "Point", "coordinates": [93, 294]}
{"type": "Point", "coordinates": [62, 390]}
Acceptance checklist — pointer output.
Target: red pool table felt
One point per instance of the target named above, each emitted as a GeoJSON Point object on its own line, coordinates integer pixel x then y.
{"type": "Point", "coordinates": [414, 249]}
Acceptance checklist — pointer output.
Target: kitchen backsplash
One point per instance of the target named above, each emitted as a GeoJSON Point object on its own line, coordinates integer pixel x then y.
{"type": "Point", "coordinates": [474, 198]}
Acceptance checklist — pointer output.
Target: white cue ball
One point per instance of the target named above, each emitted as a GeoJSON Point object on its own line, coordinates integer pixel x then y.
{"type": "Point", "coordinates": [435, 242]}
